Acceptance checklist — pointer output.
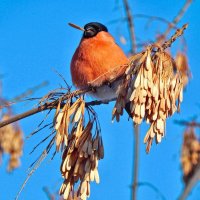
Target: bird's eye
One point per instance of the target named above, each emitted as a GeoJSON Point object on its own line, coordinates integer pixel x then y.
{"type": "Point", "coordinates": [90, 32]}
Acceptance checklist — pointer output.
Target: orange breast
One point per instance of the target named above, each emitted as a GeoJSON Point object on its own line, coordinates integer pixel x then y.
{"type": "Point", "coordinates": [97, 60]}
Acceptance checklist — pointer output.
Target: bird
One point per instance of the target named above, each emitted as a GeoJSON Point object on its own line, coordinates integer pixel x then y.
{"type": "Point", "coordinates": [97, 61]}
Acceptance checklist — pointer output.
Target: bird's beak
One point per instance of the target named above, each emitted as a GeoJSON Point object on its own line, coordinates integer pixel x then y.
{"type": "Point", "coordinates": [76, 26]}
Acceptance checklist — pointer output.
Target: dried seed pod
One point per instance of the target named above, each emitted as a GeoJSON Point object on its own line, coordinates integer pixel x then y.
{"type": "Point", "coordinates": [190, 156]}
{"type": "Point", "coordinates": [11, 142]}
{"type": "Point", "coordinates": [79, 161]}
{"type": "Point", "coordinates": [183, 67]}
{"type": "Point", "coordinates": [154, 90]}
{"type": "Point", "coordinates": [82, 150]}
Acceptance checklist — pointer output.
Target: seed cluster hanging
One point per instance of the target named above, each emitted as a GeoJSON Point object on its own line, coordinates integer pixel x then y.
{"type": "Point", "coordinates": [11, 142]}
{"type": "Point", "coordinates": [73, 197]}
{"type": "Point", "coordinates": [190, 156]}
{"type": "Point", "coordinates": [82, 149]}
{"type": "Point", "coordinates": [183, 67]}
{"type": "Point", "coordinates": [154, 90]}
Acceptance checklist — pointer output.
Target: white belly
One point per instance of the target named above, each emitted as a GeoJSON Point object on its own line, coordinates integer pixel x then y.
{"type": "Point", "coordinates": [107, 92]}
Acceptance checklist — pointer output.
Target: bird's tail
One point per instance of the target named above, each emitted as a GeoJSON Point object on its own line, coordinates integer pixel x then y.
{"type": "Point", "coordinates": [128, 110]}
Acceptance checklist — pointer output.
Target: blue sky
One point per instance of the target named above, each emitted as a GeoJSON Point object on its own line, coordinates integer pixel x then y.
{"type": "Point", "coordinates": [35, 39]}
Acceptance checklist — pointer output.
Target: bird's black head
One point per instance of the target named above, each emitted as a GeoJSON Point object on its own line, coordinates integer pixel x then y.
{"type": "Point", "coordinates": [91, 29]}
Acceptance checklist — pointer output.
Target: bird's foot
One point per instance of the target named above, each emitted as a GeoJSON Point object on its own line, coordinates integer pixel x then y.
{"type": "Point", "coordinates": [93, 89]}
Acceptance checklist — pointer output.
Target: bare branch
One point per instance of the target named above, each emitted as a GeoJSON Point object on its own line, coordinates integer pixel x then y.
{"type": "Point", "coordinates": [177, 34]}
{"type": "Point", "coordinates": [29, 91]}
{"type": "Point", "coordinates": [37, 164]}
{"type": "Point", "coordinates": [135, 126]}
{"type": "Point", "coordinates": [46, 106]}
{"type": "Point", "coordinates": [131, 27]}
{"type": "Point", "coordinates": [175, 20]}
{"type": "Point", "coordinates": [149, 17]}
{"type": "Point", "coordinates": [49, 195]}
{"type": "Point", "coordinates": [136, 161]}
{"type": "Point", "coordinates": [153, 187]}
{"type": "Point", "coordinates": [187, 123]}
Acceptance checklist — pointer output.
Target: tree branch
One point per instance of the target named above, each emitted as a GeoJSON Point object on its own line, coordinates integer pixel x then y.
{"type": "Point", "coordinates": [131, 27]}
{"type": "Point", "coordinates": [46, 106]}
{"type": "Point", "coordinates": [153, 187]}
{"type": "Point", "coordinates": [187, 123]}
{"type": "Point", "coordinates": [135, 126]}
{"type": "Point", "coordinates": [136, 161]}
{"type": "Point", "coordinates": [177, 34]}
{"type": "Point", "coordinates": [149, 17]}
{"type": "Point", "coordinates": [29, 91]}
{"type": "Point", "coordinates": [49, 195]}
{"type": "Point", "coordinates": [175, 20]}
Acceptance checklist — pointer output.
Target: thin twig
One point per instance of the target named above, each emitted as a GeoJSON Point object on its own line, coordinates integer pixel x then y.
{"type": "Point", "coordinates": [98, 102]}
{"type": "Point", "coordinates": [149, 17]}
{"type": "Point", "coordinates": [49, 195]}
{"type": "Point", "coordinates": [131, 26]}
{"type": "Point", "coordinates": [136, 127]}
{"type": "Point", "coordinates": [42, 141]}
{"type": "Point", "coordinates": [29, 91]}
{"type": "Point", "coordinates": [175, 20]}
{"type": "Point", "coordinates": [37, 164]}
{"type": "Point", "coordinates": [191, 183]}
{"type": "Point", "coordinates": [46, 106]}
{"type": "Point", "coordinates": [177, 34]}
{"type": "Point", "coordinates": [38, 129]}
{"type": "Point", "coordinates": [136, 161]}
{"type": "Point", "coordinates": [153, 187]}
{"type": "Point", "coordinates": [187, 123]}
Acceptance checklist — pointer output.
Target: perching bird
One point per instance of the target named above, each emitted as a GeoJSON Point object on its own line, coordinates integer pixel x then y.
{"type": "Point", "coordinates": [97, 61]}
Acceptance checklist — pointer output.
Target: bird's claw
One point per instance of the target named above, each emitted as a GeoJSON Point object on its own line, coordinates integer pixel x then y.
{"type": "Point", "coordinates": [93, 89]}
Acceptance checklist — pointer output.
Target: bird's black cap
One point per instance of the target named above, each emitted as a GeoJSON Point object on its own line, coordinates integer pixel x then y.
{"type": "Point", "coordinates": [92, 28]}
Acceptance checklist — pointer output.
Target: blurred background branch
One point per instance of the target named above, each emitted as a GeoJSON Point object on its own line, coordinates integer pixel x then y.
{"type": "Point", "coordinates": [175, 21]}
{"type": "Point", "coordinates": [136, 133]}
{"type": "Point", "coordinates": [130, 26]}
